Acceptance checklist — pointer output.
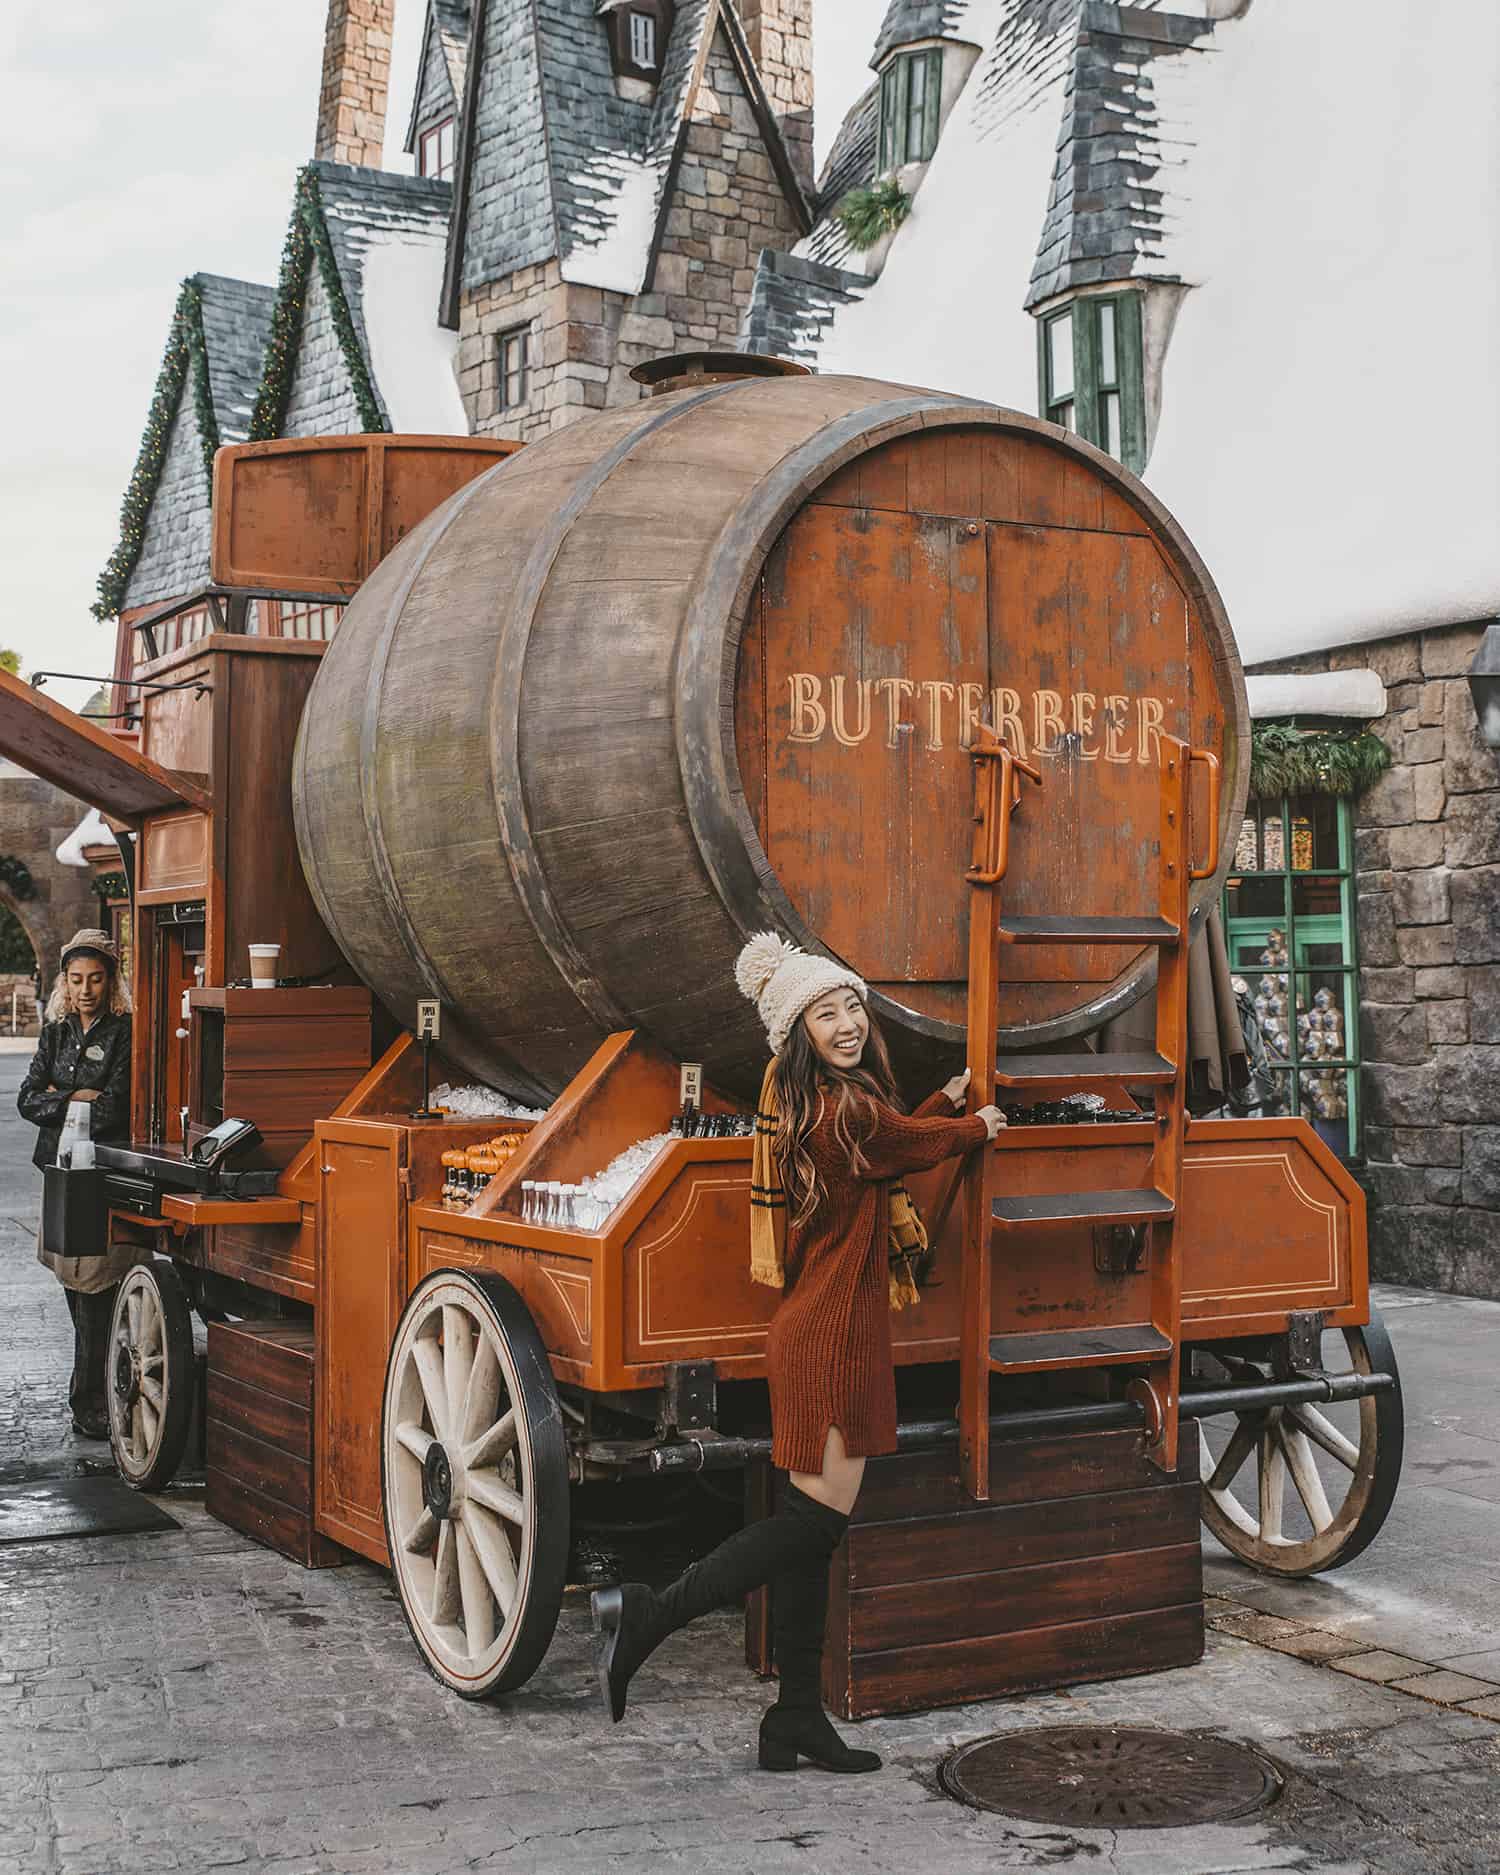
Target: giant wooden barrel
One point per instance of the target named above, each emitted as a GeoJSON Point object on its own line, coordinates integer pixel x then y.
{"type": "Point", "coordinates": [708, 664]}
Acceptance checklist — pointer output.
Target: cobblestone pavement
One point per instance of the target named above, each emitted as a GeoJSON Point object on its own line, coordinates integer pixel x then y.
{"type": "Point", "coordinates": [189, 1701]}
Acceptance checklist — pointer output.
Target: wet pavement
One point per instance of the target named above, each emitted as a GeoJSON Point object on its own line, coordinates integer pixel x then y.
{"type": "Point", "coordinates": [189, 1701]}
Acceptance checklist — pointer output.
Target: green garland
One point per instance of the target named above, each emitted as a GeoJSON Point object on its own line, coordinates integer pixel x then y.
{"type": "Point", "coordinates": [186, 350]}
{"type": "Point", "coordinates": [866, 215]}
{"type": "Point", "coordinates": [1291, 761]}
{"type": "Point", "coordinates": [308, 237]}
{"type": "Point", "coordinates": [110, 885]}
{"type": "Point", "coordinates": [15, 876]}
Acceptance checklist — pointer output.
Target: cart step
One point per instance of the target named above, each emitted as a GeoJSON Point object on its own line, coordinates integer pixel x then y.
{"type": "Point", "coordinates": [1088, 1207]}
{"type": "Point", "coordinates": [1077, 1347]}
{"type": "Point", "coordinates": [1083, 1070]}
{"type": "Point", "coordinates": [1055, 929]}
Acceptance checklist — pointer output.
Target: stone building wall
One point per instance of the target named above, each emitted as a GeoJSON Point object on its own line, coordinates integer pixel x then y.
{"type": "Point", "coordinates": [1427, 847]}
{"type": "Point", "coordinates": [726, 207]}
{"type": "Point", "coordinates": [35, 819]}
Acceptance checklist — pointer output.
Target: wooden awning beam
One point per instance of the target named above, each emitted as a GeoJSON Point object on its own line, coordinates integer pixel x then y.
{"type": "Point", "coordinates": [58, 745]}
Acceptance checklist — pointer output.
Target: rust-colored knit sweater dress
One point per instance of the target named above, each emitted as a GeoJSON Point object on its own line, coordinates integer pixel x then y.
{"type": "Point", "coordinates": [828, 1349]}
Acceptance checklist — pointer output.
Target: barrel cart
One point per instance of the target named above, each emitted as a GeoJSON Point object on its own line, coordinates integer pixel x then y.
{"type": "Point", "coordinates": [912, 679]}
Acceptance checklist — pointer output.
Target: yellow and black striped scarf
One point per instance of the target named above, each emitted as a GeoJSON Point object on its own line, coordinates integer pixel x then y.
{"type": "Point", "coordinates": [908, 1238]}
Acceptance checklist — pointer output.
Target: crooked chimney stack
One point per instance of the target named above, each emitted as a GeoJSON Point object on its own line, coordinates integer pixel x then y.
{"type": "Point", "coordinates": [356, 76]}
{"type": "Point", "coordinates": [780, 35]}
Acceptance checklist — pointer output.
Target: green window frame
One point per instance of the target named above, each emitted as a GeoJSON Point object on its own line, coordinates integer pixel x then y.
{"type": "Point", "coordinates": [1092, 375]}
{"type": "Point", "coordinates": [911, 92]}
{"type": "Point", "coordinates": [1293, 875]}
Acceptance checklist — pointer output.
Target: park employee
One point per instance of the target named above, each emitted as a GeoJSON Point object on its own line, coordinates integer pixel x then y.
{"type": "Point", "coordinates": [84, 1054]}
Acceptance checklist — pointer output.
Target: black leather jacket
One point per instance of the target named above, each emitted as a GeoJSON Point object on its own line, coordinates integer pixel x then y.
{"type": "Point", "coordinates": [67, 1059]}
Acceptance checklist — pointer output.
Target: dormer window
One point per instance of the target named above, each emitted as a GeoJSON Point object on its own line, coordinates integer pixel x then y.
{"type": "Point", "coordinates": [911, 93]}
{"type": "Point", "coordinates": [638, 32]}
{"type": "Point", "coordinates": [435, 152]}
{"type": "Point", "coordinates": [642, 40]}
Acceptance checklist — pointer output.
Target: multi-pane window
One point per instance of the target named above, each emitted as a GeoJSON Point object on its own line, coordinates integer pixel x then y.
{"type": "Point", "coordinates": [172, 635]}
{"type": "Point", "coordinates": [911, 89]}
{"type": "Point", "coordinates": [1290, 923]}
{"type": "Point", "coordinates": [1091, 373]}
{"type": "Point", "coordinates": [435, 151]}
{"type": "Point", "coordinates": [643, 41]}
{"type": "Point", "coordinates": [300, 618]}
{"type": "Point", "coordinates": [515, 366]}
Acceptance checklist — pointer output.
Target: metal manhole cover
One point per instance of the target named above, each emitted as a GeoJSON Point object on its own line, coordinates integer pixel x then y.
{"type": "Point", "coordinates": [1110, 1777]}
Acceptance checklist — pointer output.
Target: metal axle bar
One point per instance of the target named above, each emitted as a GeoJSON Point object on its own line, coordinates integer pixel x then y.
{"type": "Point", "coordinates": [715, 1454]}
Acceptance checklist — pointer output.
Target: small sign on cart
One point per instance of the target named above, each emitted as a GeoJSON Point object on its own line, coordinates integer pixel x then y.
{"type": "Point", "coordinates": [429, 1020]}
{"type": "Point", "coordinates": [691, 1083]}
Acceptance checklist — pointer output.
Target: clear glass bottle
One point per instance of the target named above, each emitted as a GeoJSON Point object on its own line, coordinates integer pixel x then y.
{"type": "Point", "coordinates": [528, 1201]}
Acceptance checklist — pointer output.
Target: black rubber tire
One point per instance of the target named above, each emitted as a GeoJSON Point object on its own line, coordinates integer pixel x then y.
{"type": "Point", "coordinates": [179, 1374]}
{"type": "Point", "coordinates": [543, 1570]}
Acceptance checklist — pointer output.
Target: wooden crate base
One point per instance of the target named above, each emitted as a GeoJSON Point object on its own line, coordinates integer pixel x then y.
{"type": "Point", "coordinates": [1085, 1565]}
{"type": "Point", "coordinates": [259, 1432]}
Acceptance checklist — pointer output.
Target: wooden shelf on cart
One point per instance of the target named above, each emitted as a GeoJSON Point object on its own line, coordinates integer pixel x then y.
{"type": "Point", "coordinates": [1136, 1206]}
{"type": "Point", "coordinates": [1083, 1070]}
{"type": "Point", "coordinates": [1062, 929]}
{"type": "Point", "coordinates": [1077, 1347]}
{"type": "Point", "coordinates": [187, 1209]}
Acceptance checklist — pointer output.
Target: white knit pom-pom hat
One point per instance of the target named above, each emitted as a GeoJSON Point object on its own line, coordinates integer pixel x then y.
{"type": "Point", "coordinates": [781, 981]}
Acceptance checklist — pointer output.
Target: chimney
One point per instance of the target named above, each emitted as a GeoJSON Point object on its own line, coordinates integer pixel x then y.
{"type": "Point", "coordinates": [780, 35]}
{"type": "Point", "coordinates": [356, 73]}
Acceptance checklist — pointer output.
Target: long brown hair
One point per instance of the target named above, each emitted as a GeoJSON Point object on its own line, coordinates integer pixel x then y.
{"type": "Point", "coordinates": [802, 1080]}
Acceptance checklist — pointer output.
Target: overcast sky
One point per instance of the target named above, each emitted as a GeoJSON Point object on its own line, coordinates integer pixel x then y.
{"type": "Point", "coordinates": [141, 141]}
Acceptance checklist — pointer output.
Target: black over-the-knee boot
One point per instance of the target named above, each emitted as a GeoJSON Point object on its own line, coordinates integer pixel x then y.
{"type": "Point", "coordinates": [635, 1619]}
{"type": "Point", "coordinates": [797, 1724]}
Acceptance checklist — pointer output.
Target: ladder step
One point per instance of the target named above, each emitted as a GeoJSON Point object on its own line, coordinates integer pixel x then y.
{"type": "Point", "coordinates": [1083, 1070]}
{"type": "Point", "coordinates": [1089, 1207]}
{"type": "Point", "coordinates": [1067, 930]}
{"type": "Point", "coordinates": [1077, 1347]}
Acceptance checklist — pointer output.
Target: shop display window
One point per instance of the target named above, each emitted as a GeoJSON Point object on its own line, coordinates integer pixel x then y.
{"type": "Point", "coordinates": [1290, 925]}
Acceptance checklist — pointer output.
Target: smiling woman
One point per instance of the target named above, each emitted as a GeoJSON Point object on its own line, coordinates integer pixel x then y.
{"type": "Point", "coordinates": [833, 1227]}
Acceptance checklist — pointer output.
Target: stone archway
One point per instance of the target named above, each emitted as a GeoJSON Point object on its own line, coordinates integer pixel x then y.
{"type": "Point", "coordinates": [35, 818]}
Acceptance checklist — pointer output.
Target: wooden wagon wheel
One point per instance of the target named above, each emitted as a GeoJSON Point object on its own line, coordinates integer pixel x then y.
{"type": "Point", "coordinates": [474, 1481]}
{"type": "Point", "coordinates": [1317, 1491]}
{"type": "Point", "coordinates": [151, 1375]}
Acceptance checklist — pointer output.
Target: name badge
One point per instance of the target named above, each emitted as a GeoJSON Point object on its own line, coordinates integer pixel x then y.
{"type": "Point", "coordinates": [94, 1052]}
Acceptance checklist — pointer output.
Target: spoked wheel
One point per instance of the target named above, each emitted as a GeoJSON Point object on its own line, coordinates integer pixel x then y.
{"type": "Point", "coordinates": [151, 1375]}
{"type": "Point", "coordinates": [474, 1478]}
{"type": "Point", "coordinates": [1293, 1490]}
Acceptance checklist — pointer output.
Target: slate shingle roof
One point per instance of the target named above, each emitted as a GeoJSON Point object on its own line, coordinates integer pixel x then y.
{"type": "Point", "coordinates": [850, 165]}
{"type": "Point", "coordinates": [792, 303]}
{"type": "Point", "coordinates": [909, 20]}
{"type": "Point", "coordinates": [236, 323]}
{"type": "Point", "coordinates": [363, 207]}
{"type": "Point", "coordinates": [441, 67]}
{"type": "Point", "coordinates": [1104, 217]}
{"type": "Point", "coordinates": [559, 162]}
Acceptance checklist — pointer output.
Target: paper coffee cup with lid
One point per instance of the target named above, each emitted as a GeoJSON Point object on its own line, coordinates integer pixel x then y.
{"type": "Point", "coordinates": [263, 965]}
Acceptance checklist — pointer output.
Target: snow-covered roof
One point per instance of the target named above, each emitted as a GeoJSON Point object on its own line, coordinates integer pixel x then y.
{"type": "Point", "coordinates": [1357, 694]}
{"type": "Point", "coordinates": [850, 165]}
{"type": "Point", "coordinates": [388, 234]}
{"type": "Point", "coordinates": [92, 830]}
{"type": "Point", "coordinates": [907, 21]}
{"type": "Point", "coordinates": [563, 162]}
{"type": "Point", "coordinates": [236, 323]}
{"type": "Point", "coordinates": [1337, 493]}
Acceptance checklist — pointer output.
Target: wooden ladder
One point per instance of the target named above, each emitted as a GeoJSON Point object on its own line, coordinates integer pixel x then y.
{"type": "Point", "coordinates": [990, 1214]}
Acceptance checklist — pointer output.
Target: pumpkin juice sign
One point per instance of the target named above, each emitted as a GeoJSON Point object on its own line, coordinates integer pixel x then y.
{"type": "Point", "coordinates": [1079, 723]}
